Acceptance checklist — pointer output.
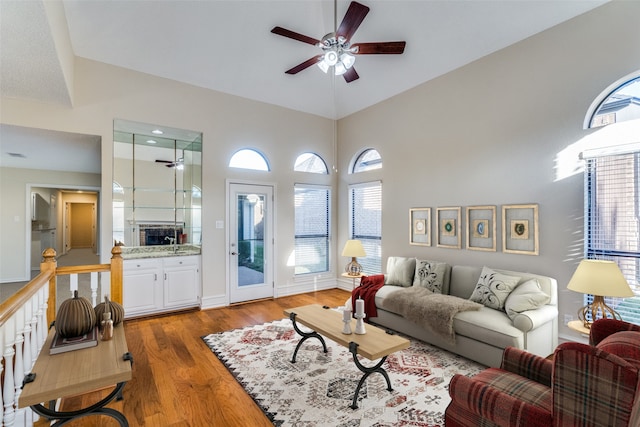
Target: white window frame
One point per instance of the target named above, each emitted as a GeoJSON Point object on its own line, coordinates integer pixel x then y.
{"type": "Point", "coordinates": [328, 233]}
{"type": "Point", "coordinates": [372, 263]}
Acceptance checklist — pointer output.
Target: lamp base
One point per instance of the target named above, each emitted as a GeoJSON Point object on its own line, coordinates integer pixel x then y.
{"type": "Point", "coordinates": [596, 307]}
{"type": "Point", "coordinates": [353, 268]}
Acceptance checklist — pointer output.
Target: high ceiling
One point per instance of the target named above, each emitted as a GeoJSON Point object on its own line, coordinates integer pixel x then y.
{"type": "Point", "coordinates": [227, 46]}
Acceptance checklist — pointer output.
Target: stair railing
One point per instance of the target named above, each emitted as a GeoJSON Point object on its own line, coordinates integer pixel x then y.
{"type": "Point", "coordinates": [24, 321]}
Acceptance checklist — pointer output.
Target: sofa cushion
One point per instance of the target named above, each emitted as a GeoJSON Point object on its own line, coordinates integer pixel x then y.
{"type": "Point", "coordinates": [493, 288]}
{"type": "Point", "coordinates": [526, 296]}
{"type": "Point", "coordinates": [489, 326]}
{"type": "Point", "coordinates": [430, 275]}
{"type": "Point", "coordinates": [400, 271]}
{"type": "Point", "coordinates": [625, 344]}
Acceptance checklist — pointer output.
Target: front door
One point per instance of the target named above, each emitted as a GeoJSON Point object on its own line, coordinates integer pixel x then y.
{"type": "Point", "coordinates": [250, 242]}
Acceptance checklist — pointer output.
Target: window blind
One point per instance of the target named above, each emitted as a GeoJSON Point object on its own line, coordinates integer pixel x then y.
{"type": "Point", "coordinates": [365, 201]}
{"type": "Point", "coordinates": [612, 209]}
{"type": "Point", "coordinates": [312, 228]}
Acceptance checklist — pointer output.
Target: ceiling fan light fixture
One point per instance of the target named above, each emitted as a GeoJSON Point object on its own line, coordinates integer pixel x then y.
{"type": "Point", "coordinates": [323, 66]}
{"type": "Point", "coordinates": [331, 58]}
{"type": "Point", "coordinates": [347, 59]}
{"type": "Point", "coordinates": [340, 69]}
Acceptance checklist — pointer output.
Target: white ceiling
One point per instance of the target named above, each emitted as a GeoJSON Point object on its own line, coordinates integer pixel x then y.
{"type": "Point", "coordinates": [227, 46]}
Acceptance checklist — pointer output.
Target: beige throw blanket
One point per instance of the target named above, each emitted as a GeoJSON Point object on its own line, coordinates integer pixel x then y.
{"type": "Point", "coordinates": [431, 311]}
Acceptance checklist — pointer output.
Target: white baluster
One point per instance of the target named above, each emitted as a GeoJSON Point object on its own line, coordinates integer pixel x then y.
{"type": "Point", "coordinates": [42, 318]}
{"type": "Point", "coordinates": [94, 287]}
{"type": "Point", "coordinates": [8, 389]}
{"type": "Point", "coordinates": [18, 367]}
{"type": "Point", "coordinates": [73, 283]}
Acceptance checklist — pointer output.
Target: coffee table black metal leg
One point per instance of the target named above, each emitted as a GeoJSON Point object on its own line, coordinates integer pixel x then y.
{"type": "Point", "coordinates": [353, 348]}
{"type": "Point", "coordinates": [64, 417]}
{"type": "Point", "coordinates": [305, 336]}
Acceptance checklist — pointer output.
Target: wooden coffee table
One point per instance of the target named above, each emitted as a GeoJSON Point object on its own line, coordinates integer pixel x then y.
{"type": "Point", "coordinates": [375, 344]}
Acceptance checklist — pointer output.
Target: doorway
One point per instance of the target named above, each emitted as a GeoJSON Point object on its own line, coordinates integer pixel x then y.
{"type": "Point", "coordinates": [250, 242]}
{"type": "Point", "coordinates": [80, 223]}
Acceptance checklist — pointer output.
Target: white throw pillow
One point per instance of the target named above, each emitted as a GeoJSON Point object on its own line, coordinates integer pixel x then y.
{"type": "Point", "coordinates": [493, 288]}
{"type": "Point", "coordinates": [400, 271]}
{"type": "Point", "coordinates": [430, 275]}
{"type": "Point", "coordinates": [527, 296]}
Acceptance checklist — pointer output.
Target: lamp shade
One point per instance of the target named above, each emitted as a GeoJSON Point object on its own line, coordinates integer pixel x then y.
{"type": "Point", "coordinates": [353, 248]}
{"type": "Point", "coordinates": [599, 277]}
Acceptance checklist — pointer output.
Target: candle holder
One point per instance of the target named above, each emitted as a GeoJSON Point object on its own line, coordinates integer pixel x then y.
{"type": "Point", "coordinates": [347, 327]}
{"type": "Point", "coordinates": [360, 324]}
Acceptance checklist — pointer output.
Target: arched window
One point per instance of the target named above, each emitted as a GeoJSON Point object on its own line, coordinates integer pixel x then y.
{"type": "Point", "coordinates": [611, 197]}
{"type": "Point", "coordinates": [310, 162]}
{"type": "Point", "coordinates": [249, 159]}
{"type": "Point", "coordinates": [368, 160]}
{"type": "Point", "coordinates": [618, 105]}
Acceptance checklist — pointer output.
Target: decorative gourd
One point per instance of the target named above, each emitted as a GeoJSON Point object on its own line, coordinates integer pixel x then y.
{"type": "Point", "coordinates": [75, 317]}
{"type": "Point", "coordinates": [117, 311]}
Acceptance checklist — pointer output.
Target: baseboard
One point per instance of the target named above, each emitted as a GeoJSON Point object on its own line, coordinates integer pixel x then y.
{"type": "Point", "coordinates": [303, 288]}
{"type": "Point", "coordinates": [213, 302]}
{"type": "Point", "coordinates": [283, 291]}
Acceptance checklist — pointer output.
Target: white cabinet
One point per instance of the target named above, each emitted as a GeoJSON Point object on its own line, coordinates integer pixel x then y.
{"type": "Point", "coordinates": [155, 285]}
{"type": "Point", "coordinates": [181, 281]}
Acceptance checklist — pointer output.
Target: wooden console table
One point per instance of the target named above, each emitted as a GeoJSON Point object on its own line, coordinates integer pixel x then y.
{"type": "Point", "coordinates": [76, 372]}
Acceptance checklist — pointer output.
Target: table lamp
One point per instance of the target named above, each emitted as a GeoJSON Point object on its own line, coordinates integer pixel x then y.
{"type": "Point", "coordinates": [599, 278]}
{"type": "Point", "coordinates": [353, 248]}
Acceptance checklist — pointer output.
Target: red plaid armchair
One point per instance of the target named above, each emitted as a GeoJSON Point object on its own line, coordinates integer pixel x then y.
{"type": "Point", "coordinates": [584, 385]}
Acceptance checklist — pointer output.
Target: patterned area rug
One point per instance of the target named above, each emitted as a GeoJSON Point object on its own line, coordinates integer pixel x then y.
{"type": "Point", "coordinates": [318, 389]}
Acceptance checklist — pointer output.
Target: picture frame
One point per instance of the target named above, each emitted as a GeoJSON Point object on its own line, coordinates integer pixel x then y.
{"type": "Point", "coordinates": [449, 229]}
{"type": "Point", "coordinates": [481, 228]}
{"type": "Point", "coordinates": [420, 226]}
{"type": "Point", "coordinates": [520, 229]}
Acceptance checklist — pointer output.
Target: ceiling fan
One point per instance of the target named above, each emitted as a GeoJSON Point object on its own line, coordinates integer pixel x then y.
{"type": "Point", "coordinates": [171, 164]}
{"type": "Point", "coordinates": [337, 50]}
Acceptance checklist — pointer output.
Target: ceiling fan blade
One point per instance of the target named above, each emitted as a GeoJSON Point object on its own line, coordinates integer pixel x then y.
{"type": "Point", "coordinates": [380, 48]}
{"type": "Point", "coordinates": [293, 35]}
{"type": "Point", "coordinates": [352, 20]}
{"type": "Point", "coordinates": [351, 75]}
{"type": "Point", "coordinates": [306, 64]}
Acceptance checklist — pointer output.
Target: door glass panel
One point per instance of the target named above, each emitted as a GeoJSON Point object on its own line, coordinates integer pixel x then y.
{"type": "Point", "coordinates": [250, 223]}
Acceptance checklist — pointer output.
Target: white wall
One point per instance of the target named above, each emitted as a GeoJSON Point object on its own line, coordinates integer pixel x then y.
{"type": "Point", "coordinates": [491, 133]}
{"type": "Point", "coordinates": [228, 123]}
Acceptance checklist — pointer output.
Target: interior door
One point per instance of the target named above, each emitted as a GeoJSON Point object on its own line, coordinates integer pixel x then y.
{"type": "Point", "coordinates": [250, 242]}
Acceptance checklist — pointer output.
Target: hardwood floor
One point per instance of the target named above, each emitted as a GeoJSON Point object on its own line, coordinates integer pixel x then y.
{"type": "Point", "coordinates": [178, 381]}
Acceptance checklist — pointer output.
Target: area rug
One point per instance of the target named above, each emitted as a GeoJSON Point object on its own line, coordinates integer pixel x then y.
{"type": "Point", "coordinates": [318, 389]}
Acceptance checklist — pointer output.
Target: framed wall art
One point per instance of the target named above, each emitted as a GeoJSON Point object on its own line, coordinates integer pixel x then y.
{"type": "Point", "coordinates": [520, 229]}
{"type": "Point", "coordinates": [481, 228]}
{"type": "Point", "coordinates": [449, 227]}
{"type": "Point", "coordinates": [420, 226]}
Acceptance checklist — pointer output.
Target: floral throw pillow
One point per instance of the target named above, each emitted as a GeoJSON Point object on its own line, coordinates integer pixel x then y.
{"type": "Point", "coordinates": [493, 288]}
{"type": "Point", "coordinates": [430, 275]}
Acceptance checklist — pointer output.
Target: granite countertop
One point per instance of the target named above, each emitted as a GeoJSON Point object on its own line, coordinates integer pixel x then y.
{"type": "Point", "coordinates": [137, 252]}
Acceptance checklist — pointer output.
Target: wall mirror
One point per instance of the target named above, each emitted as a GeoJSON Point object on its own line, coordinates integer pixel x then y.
{"type": "Point", "coordinates": [157, 185]}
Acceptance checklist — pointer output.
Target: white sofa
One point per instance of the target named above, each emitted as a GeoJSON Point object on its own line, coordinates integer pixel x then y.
{"type": "Point", "coordinates": [480, 334]}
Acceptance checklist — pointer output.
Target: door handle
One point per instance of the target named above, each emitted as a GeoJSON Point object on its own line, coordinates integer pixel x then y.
{"type": "Point", "coordinates": [234, 253]}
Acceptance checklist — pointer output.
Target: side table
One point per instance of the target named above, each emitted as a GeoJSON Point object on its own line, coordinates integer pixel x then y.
{"type": "Point", "coordinates": [77, 372]}
{"type": "Point", "coordinates": [354, 277]}
{"type": "Point", "coordinates": [578, 326]}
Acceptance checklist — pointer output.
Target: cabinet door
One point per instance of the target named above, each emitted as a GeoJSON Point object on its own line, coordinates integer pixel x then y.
{"type": "Point", "coordinates": [142, 286]}
{"type": "Point", "coordinates": [181, 281]}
